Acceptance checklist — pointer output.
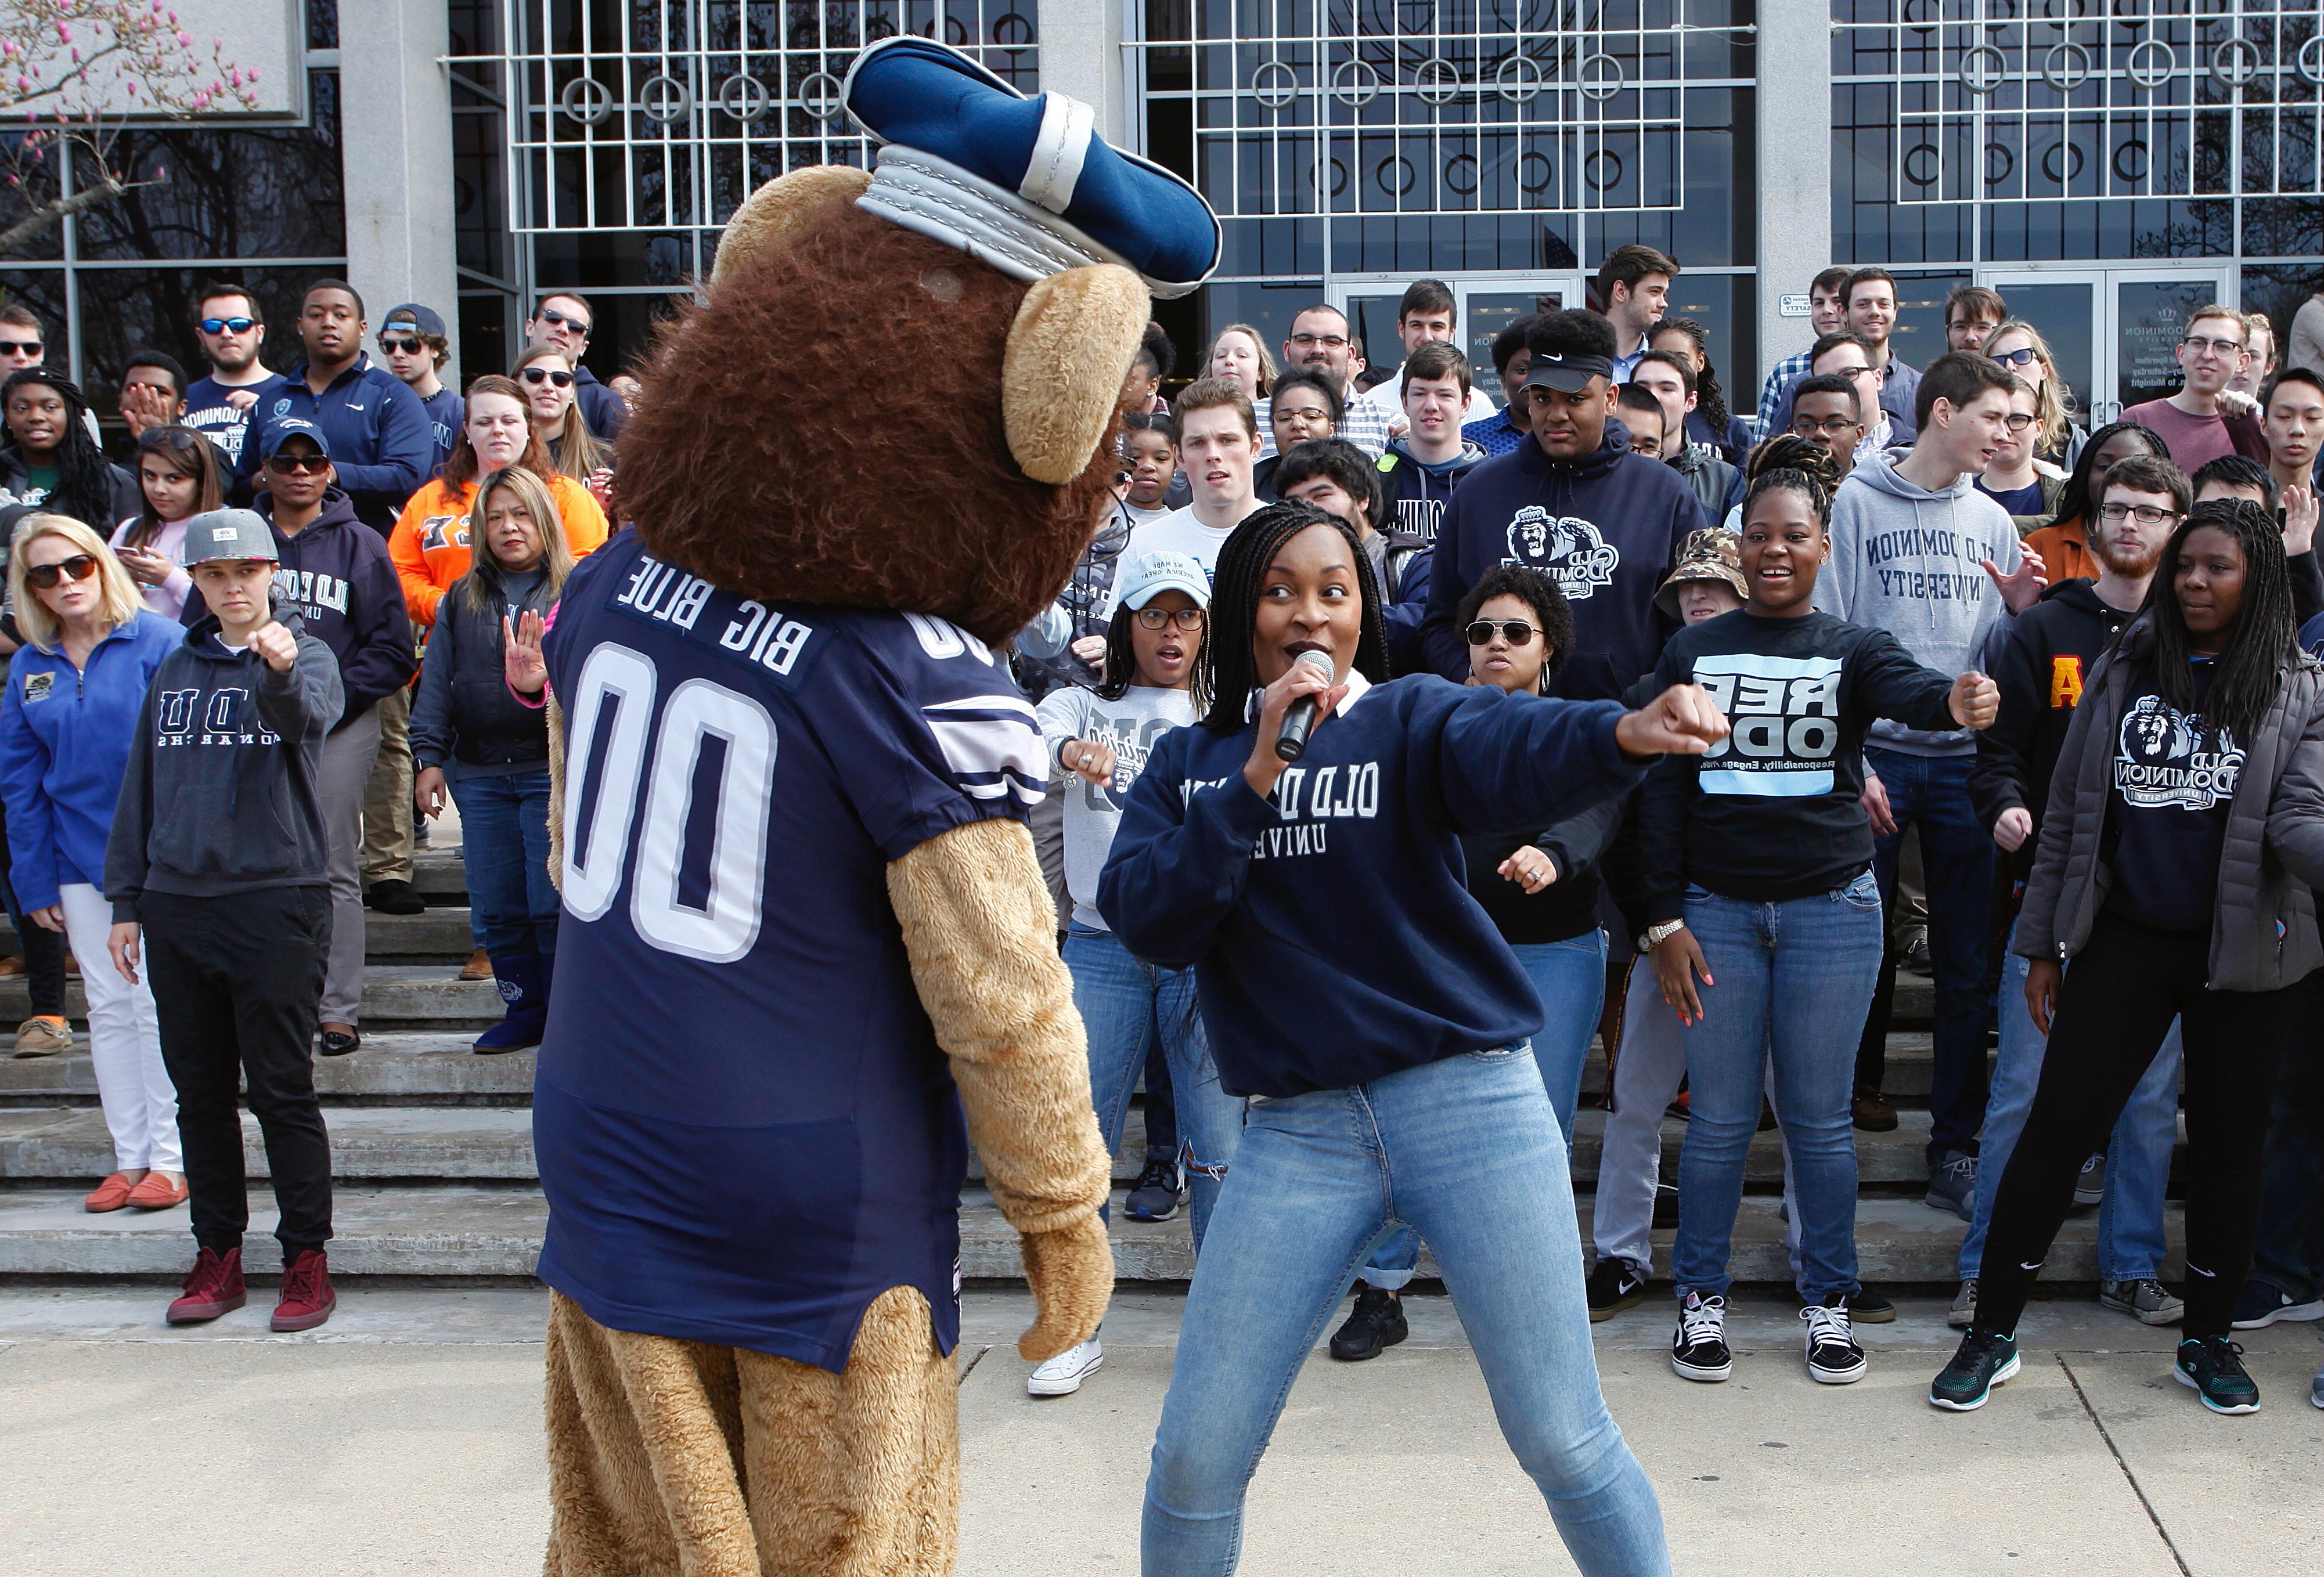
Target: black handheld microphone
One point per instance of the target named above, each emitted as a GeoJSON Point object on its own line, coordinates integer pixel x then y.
{"type": "Point", "coordinates": [1299, 721]}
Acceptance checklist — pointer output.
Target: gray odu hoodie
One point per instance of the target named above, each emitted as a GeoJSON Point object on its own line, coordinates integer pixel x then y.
{"type": "Point", "coordinates": [1912, 562]}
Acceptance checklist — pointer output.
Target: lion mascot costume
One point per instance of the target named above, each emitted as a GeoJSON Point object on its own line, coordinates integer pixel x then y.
{"type": "Point", "coordinates": [806, 954]}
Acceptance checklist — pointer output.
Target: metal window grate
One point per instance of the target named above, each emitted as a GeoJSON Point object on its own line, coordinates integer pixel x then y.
{"type": "Point", "coordinates": [1421, 106]}
{"type": "Point", "coordinates": [659, 115]}
{"type": "Point", "coordinates": [2066, 100]}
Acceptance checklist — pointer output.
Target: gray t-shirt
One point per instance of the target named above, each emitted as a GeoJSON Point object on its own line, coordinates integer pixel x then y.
{"type": "Point", "coordinates": [1129, 727]}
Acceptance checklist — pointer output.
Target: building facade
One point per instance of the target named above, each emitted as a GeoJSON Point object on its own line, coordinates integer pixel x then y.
{"type": "Point", "coordinates": [2107, 164]}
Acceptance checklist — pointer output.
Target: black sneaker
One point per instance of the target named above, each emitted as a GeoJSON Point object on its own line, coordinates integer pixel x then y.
{"type": "Point", "coordinates": [1982, 1361]}
{"type": "Point", "coordinates": [1615, 1285]}
{"type": "Point", "coordinates": [1698, 1347]}
{"type": "Point", "coordinates": [2090, 1188]}
{"type": "Point", "coordinates": [1867, 1308]}
{"type": "Point", "coordinates": [395, 896]}
{"type": "Point", "coordinates": [1377, 1324]}
{"type": "Point", "coordinates": [1159, 1193]}
{"type": "Point", "coordinates": [1833, 1357]}
{"type": "Point", "coordinates": [2212, 1367]}
{"type": "Point", "coordinates": [2262, 1303]}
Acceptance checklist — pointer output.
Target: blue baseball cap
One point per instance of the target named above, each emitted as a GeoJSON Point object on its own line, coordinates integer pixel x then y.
{"type": "Point", "coordinates": [1024, 184]}
{"type": "Point", "coordinates": [280, 430]}
{"type": "Point", "coordinates": [423, 319]}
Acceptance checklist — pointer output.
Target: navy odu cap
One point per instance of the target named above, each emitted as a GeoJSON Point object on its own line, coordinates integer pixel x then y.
{"type": "Point", "coordinates": [1024, 184]}
{"type": "Point", "coordinates": [228, 533]}
{"type": "Point", "coordinates": [423, 319]}
{"type": "Point", "coordinates": [281, 430]}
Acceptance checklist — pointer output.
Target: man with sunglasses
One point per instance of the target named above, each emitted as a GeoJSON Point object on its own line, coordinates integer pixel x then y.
{"type": "Point", "coordinates": [380, 445]}
{"type": "Point", "coordinates": [561, 323]}
{"type": "Point", "coordinates": [2193, 423]}
{"type": "Point", "coordinates": [232, 329]}
{"type": "Point", "coordinates": [416, 348]}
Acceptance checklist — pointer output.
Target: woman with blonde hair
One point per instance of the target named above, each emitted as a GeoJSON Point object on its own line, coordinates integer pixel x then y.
{"type": "Point", "coordinates": [1239, 356]}
{"type": "Point", "coordinates": [2019, 347]}
{"type": "Point", "coordinates": [548, 383]}
{"type": "Point", "coordinates": [480, 726]}
{"type": "Point", "coordinates": [76, 690]}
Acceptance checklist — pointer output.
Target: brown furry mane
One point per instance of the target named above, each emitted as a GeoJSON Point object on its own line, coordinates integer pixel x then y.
{"type": "Point", "coordinates": [829, 430]}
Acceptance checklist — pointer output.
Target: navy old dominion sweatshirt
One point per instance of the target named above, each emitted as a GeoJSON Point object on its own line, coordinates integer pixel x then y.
{"type": "Point", "coordinates": [1329, 925]}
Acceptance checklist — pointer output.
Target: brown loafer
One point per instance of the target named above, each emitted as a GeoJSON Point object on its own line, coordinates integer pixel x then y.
{"type": "Point", "coordinates": [158, 1192]}
{"type": "Point", "coordinates": [1873, 1114]}
{"type": "Point", "coordinates": [478, 967]}
{"type": "Point", "coordinates": [110, 1194]}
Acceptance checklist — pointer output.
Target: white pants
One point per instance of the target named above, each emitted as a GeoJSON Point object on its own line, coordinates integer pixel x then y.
{"type": "Point", "coordinates": [345, 775]}
{"type": "Point", "coordinates": [1646, 1076]}
{"type": "Point", "coordinates": [124, 1041]}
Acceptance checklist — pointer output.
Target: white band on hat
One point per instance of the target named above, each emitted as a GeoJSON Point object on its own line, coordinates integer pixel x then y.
{"type": "Point", "coordinates": [1067, 127]}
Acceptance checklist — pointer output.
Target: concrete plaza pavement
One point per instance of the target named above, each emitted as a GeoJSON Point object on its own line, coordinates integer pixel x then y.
{"type": "Point", "coordinates": [405, 1437]}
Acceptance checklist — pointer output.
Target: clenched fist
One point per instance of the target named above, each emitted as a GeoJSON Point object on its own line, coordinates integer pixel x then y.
{"type": "Point", "coordinates": [1683, 721]}
{"type": "Point", "coordinates": [1976, 700]}
{"type": "Point", "coordinates": [275, 645]}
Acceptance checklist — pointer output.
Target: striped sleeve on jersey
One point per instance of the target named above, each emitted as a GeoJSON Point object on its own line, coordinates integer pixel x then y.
{"type": "Point", "coordinates": [993, 746]}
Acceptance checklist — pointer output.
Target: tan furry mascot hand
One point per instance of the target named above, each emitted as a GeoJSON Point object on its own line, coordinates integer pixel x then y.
{"type": "Point", "coordinates": [806, 955]}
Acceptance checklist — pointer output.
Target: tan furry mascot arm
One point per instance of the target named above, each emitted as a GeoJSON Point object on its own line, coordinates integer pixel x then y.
{"type": "Point", "coordinates": [981, 929]}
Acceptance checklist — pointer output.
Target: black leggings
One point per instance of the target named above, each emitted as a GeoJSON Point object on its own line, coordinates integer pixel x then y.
{"type": "Point", "coordinates": [2117, 1003]}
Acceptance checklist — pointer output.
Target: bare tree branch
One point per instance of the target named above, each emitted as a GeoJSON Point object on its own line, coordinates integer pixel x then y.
{"type": "Point", "coordinates": [51, 214]}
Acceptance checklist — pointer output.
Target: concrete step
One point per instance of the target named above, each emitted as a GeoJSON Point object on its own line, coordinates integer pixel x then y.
{"type": "Point", "coordinates": [414, 1067]}
{"type": "Point", "coordinates": [473, 1231]}
{"type": "Point", "coordinates": [440, 877]}
{"type": "Point", "coordinates": [395, 996]}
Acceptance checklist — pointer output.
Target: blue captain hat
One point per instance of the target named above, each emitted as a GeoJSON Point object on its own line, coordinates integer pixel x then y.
{"type": "Point", "coordinates": [1024, 184]}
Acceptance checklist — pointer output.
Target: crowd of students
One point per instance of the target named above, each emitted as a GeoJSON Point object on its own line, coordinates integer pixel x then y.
{"type": "Point", "coordinates": [211, 746]}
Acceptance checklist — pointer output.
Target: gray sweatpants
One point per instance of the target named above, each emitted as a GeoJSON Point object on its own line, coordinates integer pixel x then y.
{"type": "Point", "coordinates": [347, 756]}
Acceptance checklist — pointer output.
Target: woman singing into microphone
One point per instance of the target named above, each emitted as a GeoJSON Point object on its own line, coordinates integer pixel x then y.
{"type": "Point", "coordinates": [1365, 1005]}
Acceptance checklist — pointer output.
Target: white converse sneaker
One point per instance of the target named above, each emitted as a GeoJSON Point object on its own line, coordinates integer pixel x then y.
{"type": "Point", "coordinates": [1062, 1376]}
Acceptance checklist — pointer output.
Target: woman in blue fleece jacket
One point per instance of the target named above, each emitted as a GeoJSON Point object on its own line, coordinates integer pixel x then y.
{"type": "Point", "coordinates": [1357, 994]}
{"type": "Point", "coordinates": [75, 689]}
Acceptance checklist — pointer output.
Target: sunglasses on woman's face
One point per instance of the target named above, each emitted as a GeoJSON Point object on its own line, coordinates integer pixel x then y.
{"type": "Point", "coordinates": [80, 567]}
{"type": "Point", "coordinates": [285, 465]}
{"type": "Point", "coordinates": [1515, 631]}
{"type": "Point", "coordinates": [2024, 358]}
{"type": "Point", "coordinates": [543, 375]}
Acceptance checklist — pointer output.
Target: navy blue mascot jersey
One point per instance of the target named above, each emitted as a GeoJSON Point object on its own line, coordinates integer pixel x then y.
{"type": "Point", "coordinates": [745, 1128]}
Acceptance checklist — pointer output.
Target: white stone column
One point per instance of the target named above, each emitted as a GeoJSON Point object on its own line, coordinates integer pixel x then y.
{"type": "Point", "coordinates": [395, 153]}
{"type": "Point", "coordinates": [1081, 56]}
{"type": "Point", "coordinates": [1793, 158]}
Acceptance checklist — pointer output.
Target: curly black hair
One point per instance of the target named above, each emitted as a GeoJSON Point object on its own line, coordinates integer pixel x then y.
{"type": "Point", "coordinates": [1226, 672]}
{"type": "Point", "coordinates": [1709, 397]}
{"type": "Point", "coordinates": [1536, 590]}
{"type": "Point", "coordinates": [2245, 676]}
{"type": "Point", "coordinates": [84, 475]}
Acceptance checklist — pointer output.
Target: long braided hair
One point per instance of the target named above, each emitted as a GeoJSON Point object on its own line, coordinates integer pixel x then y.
{"type": "Point", "coordinates": [1709, 397]}
{"type": "Point", "coordinates": [2079, 501]}
{"type": "Point", "coordinates": [1789, 463]}
{"type": "Point", "coordinates": [2245, 676]}
{"type": "Point", "coordinates": [84, 475]}
{"type": "Point", "coordinates": [1225, 672]}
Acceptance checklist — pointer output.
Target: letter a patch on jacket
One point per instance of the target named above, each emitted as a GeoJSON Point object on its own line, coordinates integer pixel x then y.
{"type": "Point", "coordinates": [2065, 681]}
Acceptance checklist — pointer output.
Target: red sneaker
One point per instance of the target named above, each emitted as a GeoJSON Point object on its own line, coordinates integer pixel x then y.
{"type": "Point", "coordinates": [213, 1288]}
{"type": "Point", "coordinates": [307, 1299]}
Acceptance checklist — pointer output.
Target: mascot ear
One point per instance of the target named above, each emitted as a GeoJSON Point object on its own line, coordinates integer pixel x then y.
{"type": "Point", "coordinates": [1061, 376]}
{"type": "Point", "coordinates": [783, 209]}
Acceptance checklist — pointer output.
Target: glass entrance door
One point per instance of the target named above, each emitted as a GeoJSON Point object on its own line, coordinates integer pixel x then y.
{"type": "Point", "coordinates": [2112, 331]}
{"type": "Point", "coordinates": [1487, 303]}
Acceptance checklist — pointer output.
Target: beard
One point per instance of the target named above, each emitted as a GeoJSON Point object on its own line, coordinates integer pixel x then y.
{"type": "Point", "coordinates": [2130, 563]}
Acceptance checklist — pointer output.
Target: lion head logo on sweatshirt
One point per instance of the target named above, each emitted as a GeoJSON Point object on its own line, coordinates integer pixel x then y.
{"type": "Point", "coordinates": [2162, 762]}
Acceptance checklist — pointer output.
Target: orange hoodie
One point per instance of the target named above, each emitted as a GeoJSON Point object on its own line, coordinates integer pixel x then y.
{"type": "Point", "coordinates": [431, 541]}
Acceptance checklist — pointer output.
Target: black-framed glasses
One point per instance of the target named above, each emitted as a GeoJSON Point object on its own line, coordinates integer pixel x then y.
{"type": "Point", "coordinates": [2146, 514]}
{"type": "Point", "coordinates": [1515, 631]}
{"type": "Point", "coordinates": [285, 465]}
{"type": "Point", "coordinates": [20, 347]}
{"type": "Point", "coordinates": [1808, 427]}
{"type": "Point", "coordinates": [409, 348]}
{"type": "Point", "coordinates": [80, 567]}
{"type": "Point", "coordinates": [545, 376]}
{"type": "Point", "coordinates": [2023, 356]}
{"type": "Point", "coordinates": [556, 320]}
{"type": "Point", "coordinates": [2226, 347]}
{"type": "Point", "coordinates": [1188, 619]}
{"type": "Point", "coordinates": [2019, 420]}
{"type": "Point", "coordinates": [227, 325]}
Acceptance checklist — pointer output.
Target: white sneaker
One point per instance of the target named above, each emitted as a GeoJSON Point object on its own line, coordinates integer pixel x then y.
{"type": "Point", "coordinates": [1062, 1376]}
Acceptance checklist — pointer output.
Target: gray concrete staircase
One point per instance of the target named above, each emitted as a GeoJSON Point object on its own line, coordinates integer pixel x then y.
{"type": "Point", "coordinates": [433, 1148]}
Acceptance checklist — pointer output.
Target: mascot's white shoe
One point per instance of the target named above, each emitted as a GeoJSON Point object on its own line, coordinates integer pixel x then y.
{"type": "Point", "coordinates": [1063, 1375]}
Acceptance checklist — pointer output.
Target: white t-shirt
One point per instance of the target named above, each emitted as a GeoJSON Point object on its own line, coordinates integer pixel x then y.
{"type": "Point", "coordinates": [1176, 532]}
{"type": "Point", "coordinates": [1129, 727]}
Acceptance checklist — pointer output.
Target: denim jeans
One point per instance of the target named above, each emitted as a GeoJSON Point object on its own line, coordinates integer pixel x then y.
{"type": "Point", "coordinates": [505, 845]}
{"type": "Point", "coordinates": [1570, 978]}
{"type": "Point", "coordinates": [1466, 1150]}
{"type": "Point", "coordinates": [1127, 1005]}
{"type": "Point", "coordinates": [1957, 860]}
{"type": "Point", "coordinates": [2288, 1251]}
{"type": "Point", "coordinates": [1790, 983]}
{"type": "Point", "coordinates": [2131, 1245]}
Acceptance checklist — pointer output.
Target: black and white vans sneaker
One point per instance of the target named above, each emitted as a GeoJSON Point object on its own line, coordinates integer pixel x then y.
{"type": "Point", "coordinates": [1833, 1357]}
{"type": "Point", "coordinates": [1699, 1348]}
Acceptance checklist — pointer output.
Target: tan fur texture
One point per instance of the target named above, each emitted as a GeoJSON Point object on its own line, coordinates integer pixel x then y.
{"type": "Point", "coordinates": [1072, 340]}
{"type": "Point", "coordinates": [827, 428]}
{"type": "Point", "coordinates": [981, 931]}
{"type": "Point", "coordinates": [555, 794]}
{"type": "Point", "coordinates": [782, 209]}
{"type": "Point", "coordinates": [680, 1457]}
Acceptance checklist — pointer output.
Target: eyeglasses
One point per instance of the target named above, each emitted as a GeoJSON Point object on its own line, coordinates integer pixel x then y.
{"type": "Point", "coordinates": [1808, 427]}
{"type": "Point", "coordinates": [1188, 619]}
{"type": "Point", "coordinates": [409, 348]}
{"type": "Point", "coordinates": [2019, 420]}
{"type": "Point", "coordinates": [2225, 347]}
{"type": "Point", "coordinates": [20, 347]}
{"type": "Point", "coordinates": [1515, 631]}
{"type": "Point", "coordinates": [80, 567]}
{"type": "Point", "coordinates": [2024, 357]}
{"type": "Point", "coordinates": [227, 325]}
{"type": "Point", "coordinates": [2146, 514]}
{"type": "Point", "coordinates": [285, 465]}
{"type": "Point", "coordinates": [1328, 341]}
{"type": "Point", "coordinates": [556, 320]}
{"type": "Point", "coordinates": [543, 375]}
